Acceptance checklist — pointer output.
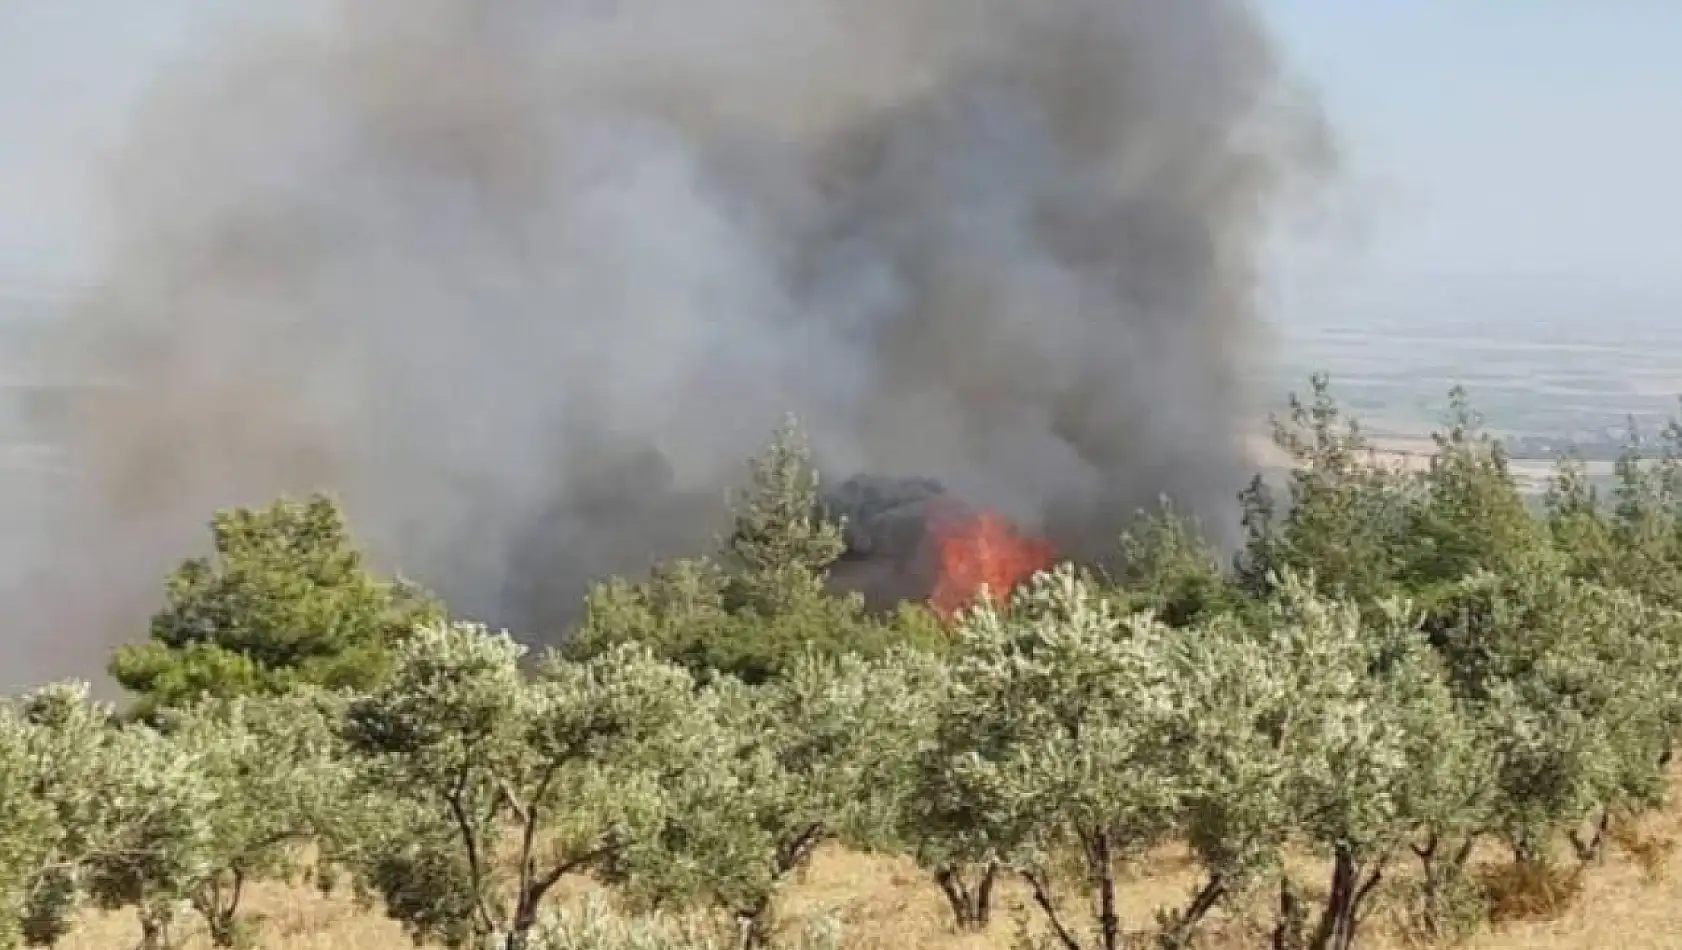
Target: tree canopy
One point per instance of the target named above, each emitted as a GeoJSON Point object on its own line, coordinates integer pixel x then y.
{"type": "Point", "coordinates": [1407, 681]}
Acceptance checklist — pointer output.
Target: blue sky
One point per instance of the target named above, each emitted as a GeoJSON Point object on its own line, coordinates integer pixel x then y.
{"type": "Point", "coordinates": [1495, 149]}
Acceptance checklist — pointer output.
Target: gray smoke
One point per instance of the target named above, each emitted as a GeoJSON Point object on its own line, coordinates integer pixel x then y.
{"type": "Point", "coordinates": [889, 526]}
{"type": "Point", "coordinates": [525, 281]}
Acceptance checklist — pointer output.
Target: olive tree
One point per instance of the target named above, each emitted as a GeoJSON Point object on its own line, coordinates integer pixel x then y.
{"type": "Point", "coordinates": [500, 785]}
{"type": "Point", "coordinates": [1235, 730]}
{"type": "Point", "coordinates": [30, 835]}
{"type": "Point", "coordinates": [1578, 689]}
{"type": "Point", "coordinates": [1057, 737]}
{"type": "Point", "coordinates": [155, 834]}
{"type": "Point", "coordinates": [821, 753]}
{"type": "Point", "coordinates": [940, 828]}
{"type": "Point", "coordinates": [122, 811]}
{"type": "Point", "coordinates": [276, 782]}
{"type": "Point", "coordinates": [1378, 747]}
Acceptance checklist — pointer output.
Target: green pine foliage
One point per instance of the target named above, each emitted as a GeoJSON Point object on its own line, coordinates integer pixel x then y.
{"type": "Point", "coordinates": [285, 600]}
{"type": "Point", "coordinates": [761, 603]}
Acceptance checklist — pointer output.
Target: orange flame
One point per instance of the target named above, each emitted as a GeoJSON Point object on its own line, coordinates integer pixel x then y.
{"type": "Point", "coordinates": [982, 551]}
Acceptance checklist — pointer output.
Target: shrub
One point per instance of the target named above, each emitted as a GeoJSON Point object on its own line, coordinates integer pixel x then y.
{"type": "Point", "coordinates": [1529, 891]}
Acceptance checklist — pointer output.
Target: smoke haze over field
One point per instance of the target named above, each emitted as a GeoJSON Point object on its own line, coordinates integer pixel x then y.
{"type": "Point", "coordinates": [525, 282]}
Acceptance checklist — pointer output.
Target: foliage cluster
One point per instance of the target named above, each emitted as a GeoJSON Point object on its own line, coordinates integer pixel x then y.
{"type": "Point", "coordinates": [1400, 666]}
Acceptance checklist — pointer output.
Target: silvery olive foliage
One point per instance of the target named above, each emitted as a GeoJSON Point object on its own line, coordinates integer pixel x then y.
{"type": "Point", "coordinates": [503, 784]}
{"type": "Point", "coordinates": [1237, 730]}
{"type": "Point", "coordinates": [1058, 737]}
{"type": "Point", "coordinates": [113, 816]}
{"type": "Point", "coordinates": [277, 779]}
{"type": "Point", "coordinates": [1378, 744]}
{"type": "Point", "coordinates": [156, 808]}
{"type": "Point", "coordinates": [1071, 729]}
{"type": "Point", "coordinates": [1575, 686]}
{"type": "Point", "coordinates": [33, 880]}
{"type": "Point", "coordinates": [821, 753]}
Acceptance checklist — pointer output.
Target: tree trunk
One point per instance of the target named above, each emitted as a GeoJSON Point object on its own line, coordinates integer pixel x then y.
{"type": "Point", "coordinates": [754, 923]}
{"type": "Point", "coordinates": [221, 909]}
{"type": "Point", "coordinates": [1527, 851]}
{"type": "Point", "coordinates": [524, 919]}
{"type": "Point", "coordinates": [154, 928]}
{"type": "Point", "coordinates": [1342, 914]}
{"type": "Point", "coordinates": [1109, 921]}
{"type": "Point", "coordinates": [972, 907]}
{"type": "Point", "coordinates": [753, 926]}
{"type": "Point", "coordinates": [1590, 850]}
{"type": "Point", "coordinates": [1288, 927]}
{"type": "Point", "coordinates": [1441, 870]}
{"type": "Point", "coordinates": [223, 930]}
{"type": "Point", "coordinates": [1042, 897]}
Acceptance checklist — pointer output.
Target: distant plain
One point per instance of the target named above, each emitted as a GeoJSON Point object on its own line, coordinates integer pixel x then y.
{"type": "Point", "coordinates": [1544, 385]}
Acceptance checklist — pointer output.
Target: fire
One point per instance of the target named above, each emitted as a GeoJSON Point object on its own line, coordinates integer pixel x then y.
{"type": "Point", "coordinates": [982, 551]}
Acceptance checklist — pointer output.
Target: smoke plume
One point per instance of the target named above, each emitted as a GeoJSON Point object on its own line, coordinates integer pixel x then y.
{"type": "Point", "coordinates": [525, 282]}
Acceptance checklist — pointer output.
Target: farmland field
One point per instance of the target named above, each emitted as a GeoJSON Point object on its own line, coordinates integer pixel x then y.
{"type": "Point", "coordinates": [1542, 384]}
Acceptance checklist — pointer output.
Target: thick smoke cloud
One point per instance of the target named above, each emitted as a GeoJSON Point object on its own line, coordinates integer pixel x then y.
{"type": "Point", "coordinates": [525, 282]}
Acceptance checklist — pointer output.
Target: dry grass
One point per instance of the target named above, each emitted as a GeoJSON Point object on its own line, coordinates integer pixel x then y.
{"type": "Point", "coordinates": [1527, 893]}
{"type": "Point", "coordinates": [1633, 901]}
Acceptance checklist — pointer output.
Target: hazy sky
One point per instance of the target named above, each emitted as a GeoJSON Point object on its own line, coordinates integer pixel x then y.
{"type": "Point", "coordinates": [1494, 149]}
{"type": "Point", "coordinates": [1516, 149]}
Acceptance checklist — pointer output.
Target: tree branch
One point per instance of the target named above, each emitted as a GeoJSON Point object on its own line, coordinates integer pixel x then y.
{"type": "Point", "coordinates": [541, 885]}
{"type": "Point", "coordinates": [793, 853]}
{"type": "Point", "coordinates": [470, 841]}
{"type": "Point", "coordinates": [1589, 850]}
{"type": "Point", "coordinates": [1204, 902]}
{"type": "Point", "coordinates": [1042, 897]}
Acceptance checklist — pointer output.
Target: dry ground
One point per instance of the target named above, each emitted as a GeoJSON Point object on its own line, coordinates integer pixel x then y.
{"type": "Point", "coordinates": [886, 904]}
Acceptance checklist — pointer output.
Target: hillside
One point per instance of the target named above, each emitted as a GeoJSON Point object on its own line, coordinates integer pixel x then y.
{"type": "Point", "coordinates": [887, 904]}
{"type": "Point", "coordinates": [1416, 709]}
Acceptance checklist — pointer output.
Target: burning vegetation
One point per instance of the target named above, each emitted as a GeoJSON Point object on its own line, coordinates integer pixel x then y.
{"type": "Point", "coordinates": [982, 556]}
{"type": "Point", "coordinates": [909, 539]}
